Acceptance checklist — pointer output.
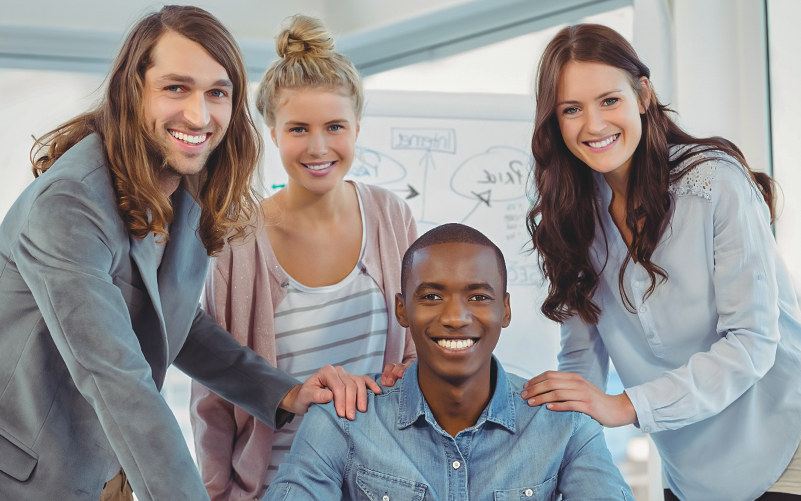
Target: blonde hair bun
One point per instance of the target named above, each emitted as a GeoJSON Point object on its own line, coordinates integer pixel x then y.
{"type": "Point", "coordinates": [305, 37]}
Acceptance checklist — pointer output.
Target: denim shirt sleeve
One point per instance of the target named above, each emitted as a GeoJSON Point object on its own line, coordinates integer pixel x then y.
{"type": "Point", "coordinates": [315, 466]}
{"type": "Point", "coordinates": [587, 472]}
{"type": "Point", "coordinates": [583, 352]}
{"type": "Point", "coordinates": [746, 295]}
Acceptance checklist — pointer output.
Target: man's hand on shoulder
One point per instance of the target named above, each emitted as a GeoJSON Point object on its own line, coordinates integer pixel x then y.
{"type": "Point", "coordinates": [348, 391]}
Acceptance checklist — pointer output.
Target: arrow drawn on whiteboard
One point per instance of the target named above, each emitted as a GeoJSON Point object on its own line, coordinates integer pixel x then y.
{"type": "Point", "coordinates": [427, 161]}
{"type": "Point", "coordinates": [483, 198]}
{"type": "Point", "coordinates": [410, 190]}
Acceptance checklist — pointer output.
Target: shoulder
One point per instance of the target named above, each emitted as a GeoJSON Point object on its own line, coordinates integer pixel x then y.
{"type": "Point", "coordinates": [557, 423]}
{"type": "Point", "coordinates": [385, 203]}
{"type": "Point", "coordinates": [708, 172]}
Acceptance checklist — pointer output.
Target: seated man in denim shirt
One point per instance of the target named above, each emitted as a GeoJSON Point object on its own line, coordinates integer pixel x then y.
{"type": "Point", "coordinates": [455, 426]}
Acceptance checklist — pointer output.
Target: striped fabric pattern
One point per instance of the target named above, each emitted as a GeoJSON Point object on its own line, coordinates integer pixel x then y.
{"type": "Point", "coordinates": [343, 324]}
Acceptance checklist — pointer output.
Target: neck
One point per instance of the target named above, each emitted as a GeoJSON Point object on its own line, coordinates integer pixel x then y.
{"type": "Point", "coordinates": [168, 183]}
{"type": "Point", "coordinates": [326, 207]}
{"type": "Point", "coordinates": [618, 180]}
{"type": "Point", "coordinates": [456, 404]}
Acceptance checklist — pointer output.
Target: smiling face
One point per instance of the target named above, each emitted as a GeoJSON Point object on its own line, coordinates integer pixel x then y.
{"type": "Point", "coordinates": [599, 115]}
{"type": "Point", "coordinates": [187, 102]}
{"type": "Point", "coordinates": [455, 307]}
{"type": "Point", "coordinates": [315, 131]}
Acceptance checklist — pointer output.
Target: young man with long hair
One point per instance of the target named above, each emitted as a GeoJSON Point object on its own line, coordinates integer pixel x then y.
{"type": "Point", "coordinates": [102, 261]}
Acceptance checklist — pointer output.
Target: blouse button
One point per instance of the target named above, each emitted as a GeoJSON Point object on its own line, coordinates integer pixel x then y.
{"type": "Point", "coordinates": [529, 493]}
{"type": "Point", "coordinates": [636, 284]}
{"type": "Point", "coordinates": [643, 309]}
{"type": "Point", "coordinates": [456, 465]}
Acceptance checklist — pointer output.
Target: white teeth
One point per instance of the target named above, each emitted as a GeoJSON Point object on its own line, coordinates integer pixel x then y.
{"type": "Point", "coordinates": [606, 142]}
{"type": "Point", "coordinates": [318, 167]}
{"type": "Point", "coordinates": [456, 344]}
{"type": "Point", "coordinates": [187, 138]}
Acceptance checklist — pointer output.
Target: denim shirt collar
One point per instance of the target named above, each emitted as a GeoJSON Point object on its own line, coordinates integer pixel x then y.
{"type": "Point", "coordinates": [500, 410]}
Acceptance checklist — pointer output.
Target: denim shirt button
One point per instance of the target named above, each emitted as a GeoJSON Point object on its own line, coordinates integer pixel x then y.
{"type": "Point", "coordinates": [456, 465]}
{"type": "Point", "coordinates": [529, 493]}
{"type": "Point", "coordinates": [385, 498]}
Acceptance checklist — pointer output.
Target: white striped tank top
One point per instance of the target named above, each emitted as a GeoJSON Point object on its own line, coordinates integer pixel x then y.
{"type": "Point", "coordinates": [342, 324]}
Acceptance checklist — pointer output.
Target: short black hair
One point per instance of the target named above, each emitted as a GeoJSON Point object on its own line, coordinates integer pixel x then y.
{"type": "Point", "coordinates": [450, 233]}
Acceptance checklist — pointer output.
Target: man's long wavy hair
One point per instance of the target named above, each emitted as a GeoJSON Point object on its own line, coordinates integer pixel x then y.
{"type": "Point", "coordinates": [134, 156]}
{"type": "Point", "coordinates": [562, 219]}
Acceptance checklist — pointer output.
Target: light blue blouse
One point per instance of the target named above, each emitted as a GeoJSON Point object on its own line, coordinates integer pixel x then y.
{"type": "Point", "coordinates": [712, 359]}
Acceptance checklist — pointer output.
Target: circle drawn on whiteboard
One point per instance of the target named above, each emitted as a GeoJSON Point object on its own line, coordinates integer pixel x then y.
{"type": "Point", "coordinates": [374, 167]}
{"type": "Point", "coordinates": [497, 175]}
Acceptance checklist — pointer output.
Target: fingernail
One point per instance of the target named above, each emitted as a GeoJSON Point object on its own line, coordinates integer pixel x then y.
{"type": "Point", "coordinates": [531, 401]}
{"type": "Point", "coordinates": [524, 394]}
{"type": "Point", "coordinates": [550, 406]}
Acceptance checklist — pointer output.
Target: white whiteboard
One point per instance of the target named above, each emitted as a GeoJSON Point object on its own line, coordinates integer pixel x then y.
{"type": "Point", "coordinates": [461, 158]}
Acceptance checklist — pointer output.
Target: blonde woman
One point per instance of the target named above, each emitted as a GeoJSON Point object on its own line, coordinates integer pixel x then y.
{"type": "Point", "coordinates": [317, 284]}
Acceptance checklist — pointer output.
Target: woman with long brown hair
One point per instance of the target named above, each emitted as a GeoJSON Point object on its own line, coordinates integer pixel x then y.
{"type": "Point", "coordinates": [659, 255]}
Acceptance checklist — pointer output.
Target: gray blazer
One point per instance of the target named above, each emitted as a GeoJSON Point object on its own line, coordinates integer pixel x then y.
{"type": "Point", "coordinates": [88, 327]}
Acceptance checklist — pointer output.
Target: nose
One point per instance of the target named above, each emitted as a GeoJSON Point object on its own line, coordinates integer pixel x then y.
{"type": "Point", "coordinates": [455, 314]}
{"type": "Point", "coordinates": [595, 122]}
{"type": "Point", "coordinates": [196, 112]}
{"type": "Point", "coordinates": [317, 144]}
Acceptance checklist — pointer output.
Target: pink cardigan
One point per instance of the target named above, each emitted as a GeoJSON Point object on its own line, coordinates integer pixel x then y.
{"type": "Point", "coordinates": [244, 286]}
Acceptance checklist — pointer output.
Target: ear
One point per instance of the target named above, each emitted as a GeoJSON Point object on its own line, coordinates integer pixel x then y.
{"type": "Point", "coordinates": [644, 100]}
{"type": "Point", "coordinates": [400, 311]}
{"type": "Point", "coordinates": [358, 128]}
{"type": "Point", "coordinates": [273, 136]}
{"type": "Point", "coordinates": [507, 311]}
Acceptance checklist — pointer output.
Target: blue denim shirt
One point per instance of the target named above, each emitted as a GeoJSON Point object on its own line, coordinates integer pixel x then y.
{"type": "Point", "coordinates": [397, 451]}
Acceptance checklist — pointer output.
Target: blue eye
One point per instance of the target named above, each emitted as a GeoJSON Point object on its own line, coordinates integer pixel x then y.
{"type": "Point", "coordinates": [173, 88]}
{"type": "Point", "coordinates": [217, 93]}
{"type": "Point", "coordinates": [610, 101]}
{"type": "Point", "coordinates": [570, 111]}
{"type": "Point", "coordinates": [297, 130]}
{"type": "Point", "coordinates": [335, 127]}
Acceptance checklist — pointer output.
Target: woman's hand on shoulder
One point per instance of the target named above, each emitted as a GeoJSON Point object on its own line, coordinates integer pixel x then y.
{"type": "Point", "coordinates": [393, 372]}
{"type": "Point", "coordinates": [566, 391]}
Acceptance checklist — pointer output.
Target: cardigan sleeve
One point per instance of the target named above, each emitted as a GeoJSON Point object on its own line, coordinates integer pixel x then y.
{"type": "Point", "coordinates": [212, 417]}
{"type": "Point", "coordinates": [409, 352]}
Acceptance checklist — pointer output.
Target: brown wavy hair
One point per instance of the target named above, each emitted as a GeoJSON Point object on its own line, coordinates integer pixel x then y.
{"type": "Point", "coordinates": [562, 219]}
{"type": "Point", "coordinates": [226, 196]}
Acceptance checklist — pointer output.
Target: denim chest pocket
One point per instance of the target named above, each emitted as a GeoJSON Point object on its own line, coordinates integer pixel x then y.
{"type": "Point", "coordinates": [375, 486]}
{"type": "Point", "coordinates": [545, 491]}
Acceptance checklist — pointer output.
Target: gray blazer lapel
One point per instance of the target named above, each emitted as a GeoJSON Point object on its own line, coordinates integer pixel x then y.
{"type": "Point", "coordinates": [182, 271]}
{"type": "Point", "coordinates": [143, 252]}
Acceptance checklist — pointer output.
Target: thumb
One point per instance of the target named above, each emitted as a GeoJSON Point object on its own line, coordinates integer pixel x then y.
{"type": "Point", "coordinates": [321, 396]}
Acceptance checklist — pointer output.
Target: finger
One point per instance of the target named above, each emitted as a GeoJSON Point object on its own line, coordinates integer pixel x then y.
{"type": "Point", "coordinates": [370, 382]}
{"type": "Point", "coordinates": [351, 392]}
{"type": "Point", "coordinates": [399, 370]}
{"type": "Point", "coordinates": [560, 396]}
{"type": "Point", "coordinates": [566, 406]}
{"type": "Point", "coordinates": [549, 386]}
{"type": "Point", "coordinates": [548, 375]}
{"type": "Point", "coordinates": [386, 375]}
{"type": "Point", "coordinates": [328, 377]}
{"type": "Point", "coordinates": [361, 394]}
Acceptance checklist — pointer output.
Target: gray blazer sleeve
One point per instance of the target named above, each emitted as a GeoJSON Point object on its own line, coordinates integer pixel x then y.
{"type": "Point", "coordinates": [212, 357]}
{"type": "Point", "coordinates": [64, 252]}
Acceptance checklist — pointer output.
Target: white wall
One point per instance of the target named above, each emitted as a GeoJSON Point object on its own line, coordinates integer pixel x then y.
{"type": "Point", "coordinates": [721, 73]}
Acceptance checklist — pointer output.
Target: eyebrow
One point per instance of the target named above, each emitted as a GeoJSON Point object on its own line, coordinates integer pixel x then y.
{"type": "Point", "coordinates": [470, 287]}
{"type": "Point", "coordinates": [295, 123]}
{"type": "Point", "coordinates": [597, 98]}
{"type": "Point", "coordinates": [185, 79]}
